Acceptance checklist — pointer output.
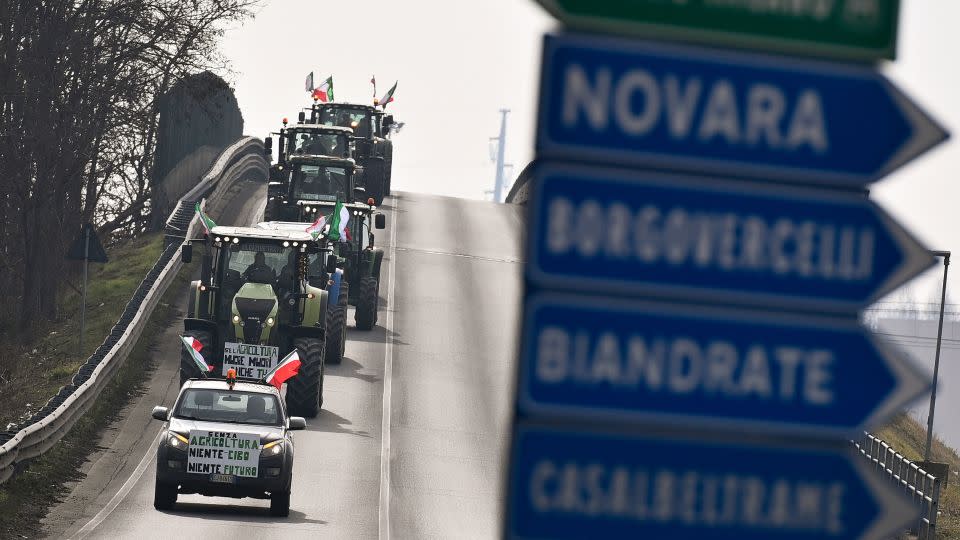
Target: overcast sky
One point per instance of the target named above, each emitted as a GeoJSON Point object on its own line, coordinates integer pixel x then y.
{"type": "Point", "coordinates": [459, 62]}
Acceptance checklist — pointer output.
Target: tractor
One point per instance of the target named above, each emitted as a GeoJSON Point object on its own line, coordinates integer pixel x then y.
{"type": "Point", "coordinates": [307, 182]}
{"type": "Point", "coordinates": [373, 148]}
{"type": "Point", "coordinates": [331, 280]}
{"type": "Point", "coordinates": [253, 304]}
{"type": "Point", "coordinates": [309, 139]}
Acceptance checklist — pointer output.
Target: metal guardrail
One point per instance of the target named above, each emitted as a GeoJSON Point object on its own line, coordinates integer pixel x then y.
{"type": "Point", "coordinates": [48, 425]}
{"type": "Point", "coordinates": [922, 487]}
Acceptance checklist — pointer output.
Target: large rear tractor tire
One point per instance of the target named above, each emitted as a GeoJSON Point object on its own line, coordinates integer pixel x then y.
{"type": "Point", "coordinates": [164, 495]}
{"type": "Point", "coordinates": [305, 390]}
{"type": "Point", "coordinates": [337, 327]}
{"type": "Point", "coordinates": [188, 368]}
{"type": "Point", "coordinates": [387, 166]}
{"type": "Point", "coordinates": [366, 312]}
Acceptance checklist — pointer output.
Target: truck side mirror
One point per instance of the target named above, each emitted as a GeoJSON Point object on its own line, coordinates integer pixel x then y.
{"type": "Point", "coordinates": [301, 116]}
{"type": "Point", "coordinates": [331, 263]}
{"type": "Point", "coordinates": [268, 146]}
{"type": "Point", "coordinates": [186, 253]}
{"type": "Point", "coordinates": [380, 221]}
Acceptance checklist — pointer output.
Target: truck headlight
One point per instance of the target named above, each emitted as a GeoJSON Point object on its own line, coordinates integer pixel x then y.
{"type": "Point", "coordinates": [274, 448]}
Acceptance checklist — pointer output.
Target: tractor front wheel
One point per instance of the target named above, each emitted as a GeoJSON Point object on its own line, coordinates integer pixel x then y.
{"type": "Point", "coordinates": [305, 390]}
{"type": "Point", "coordinates": [366, 313]}
{"type": "Point", "coordinates": [337, 327]}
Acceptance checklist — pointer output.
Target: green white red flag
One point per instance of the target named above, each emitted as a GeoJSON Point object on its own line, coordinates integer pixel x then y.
{"type": "Point", "coordinates": [324, 92]}
{"type": "Point", "coordinates": [316, 228]}
{"type": "Point", "coordinates": [205, 220]}
{"type": "Point", "coordinates": [339, 219]}
{"type": "Point", "coordinates": [388, 97]}
{"type": "Point", "coordinates": [287, 368]}
{"type": "Point", "coordinates": [193, 347]}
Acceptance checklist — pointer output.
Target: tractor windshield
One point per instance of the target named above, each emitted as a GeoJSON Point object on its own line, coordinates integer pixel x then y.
{"type": "Point", "coordinates": [251, 261]}
{"type": "Point", "coordinates": [320, 144]}
{"type": "Point", "coordinates": [319, 183]}
{"type": "Point", "coordinates": [360, 120]}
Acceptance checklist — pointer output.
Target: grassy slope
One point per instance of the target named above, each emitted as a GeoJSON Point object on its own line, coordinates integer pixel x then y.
{"type": "Point", "coordinates": [25, 499]}
{"type": "Point", "coordinates": [909, 437]}
{"type": "Point", "coordinates": [23, 387]}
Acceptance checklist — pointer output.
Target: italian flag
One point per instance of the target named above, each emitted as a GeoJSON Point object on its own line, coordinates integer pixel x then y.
{"type": "Point", "coordinates": [193, 347]}
{"type": "Point", "coordinates": [388, 97]}
{"type": "Point", "coordinates": [316, 228]}
{"type": "Point", "coordinates": [287, 368]}
{"type": "Point", "coordinates": [338, 223]}
{"type": "Point", "coordinates": [324, 92]}
{"type": "Point", "coordinates": [208, 223]}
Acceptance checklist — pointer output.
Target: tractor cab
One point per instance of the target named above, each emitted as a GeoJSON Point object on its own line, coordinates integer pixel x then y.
{"type": "Point", "coordinates": [308, 139]}
{"type": "Point", "coordinates": [309, 182]}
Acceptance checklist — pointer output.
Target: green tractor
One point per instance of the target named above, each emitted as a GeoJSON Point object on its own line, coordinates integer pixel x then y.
{"type": "Point", "coordinates": [307, 139]}
{"type": "Point", "coordinates": [309, 180]}
{"type": "Point", "coordinates": [373, 148]}
{"type": "Point", "coordinates": [314, 187]}
{"type": "Point", "coordinates": [253, 305]}
{"type": "Point", "coordinates": [329, 279]}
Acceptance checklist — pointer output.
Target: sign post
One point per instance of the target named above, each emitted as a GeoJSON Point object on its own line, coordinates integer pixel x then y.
{"type": "Point", "coordinates": [86, 248]}
{"type": "Point", "coordinates": [700, 245]}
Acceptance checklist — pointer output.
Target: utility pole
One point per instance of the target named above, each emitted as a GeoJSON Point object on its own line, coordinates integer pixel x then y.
{"type": "Point", "coordinates": [936, 359]}
{"type": "Point", "coordinates": [501, 145]}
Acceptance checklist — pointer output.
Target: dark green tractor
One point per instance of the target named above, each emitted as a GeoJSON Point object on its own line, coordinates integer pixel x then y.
{"type": "Point", "coordinates": [308, 181]}
{"type": "Point", "coordinates": [373, 148]}
{"type": "Point", "coordinates": [253, 304]}
{"type": "Point", "coordinates": [307, 139]}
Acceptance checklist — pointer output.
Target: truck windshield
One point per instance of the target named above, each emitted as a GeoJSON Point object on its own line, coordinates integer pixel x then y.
{"type": "Point", "coordinates": [319, 144]}
{"type": "Point", "coordinates": [319, 183]}
{"type": "Point", "coordinates": [232, 406]}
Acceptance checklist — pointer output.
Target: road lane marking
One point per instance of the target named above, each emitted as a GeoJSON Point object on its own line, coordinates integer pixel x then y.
{"type": "Point", "coordinates": [121, 493]}
{"type": "Point", "coordinates": [384, 510]}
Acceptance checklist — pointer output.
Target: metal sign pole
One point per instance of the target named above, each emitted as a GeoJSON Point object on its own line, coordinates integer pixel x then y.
{"type": "Point", "coordinates": [83, 295]}
{"type": "Point", "coordinates": [936, 357]}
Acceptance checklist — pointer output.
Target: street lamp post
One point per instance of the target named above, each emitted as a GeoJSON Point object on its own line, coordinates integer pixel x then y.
{"type": "Point", "coordinates": [936, 359]}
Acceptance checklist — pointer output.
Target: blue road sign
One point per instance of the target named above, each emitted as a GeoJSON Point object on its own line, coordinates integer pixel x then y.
{"type": "Point", "coordinates": [573, 485]}
{"type": "Point", "coordinates": [724, 113]}
{"type": "Point", "coordinates": [699, 367]}
{"type": "Point", "coordinates": [710, 240]}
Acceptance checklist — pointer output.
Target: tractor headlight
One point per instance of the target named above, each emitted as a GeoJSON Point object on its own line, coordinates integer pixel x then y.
{"type": "Point", "coordinates": [274, 448]}
{"type": "Point", "coordinates": [236, 319]}
{"type": "Point", "coordinates": [306, 209]}
{"type": "Point", "coordinates": [175, 440]}
{"type": "Point", "coordinates": [270, 321]}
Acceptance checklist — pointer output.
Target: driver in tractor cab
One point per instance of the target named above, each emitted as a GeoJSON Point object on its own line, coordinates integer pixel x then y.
{"type": "Point", "coordinates": [260, 271]}
{"type": "Point", "coordinates": [346, 120]}
{"type": "Point", "coordinates": [288, 274]}
{"type": "Point", "coordinates": [312, 145]}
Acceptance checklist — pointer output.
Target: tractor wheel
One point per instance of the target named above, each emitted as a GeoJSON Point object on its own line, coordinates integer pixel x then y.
{"type": "Point", "coordinates": [387, 166]}
{"type": "Point", "coordinates": [188, 368]}
{"type": "Point", "coordinates": [337, 327]}
{"type": "Point", "coordinates": [366, 313]}
{"type": "Point", "coordinates": [305, 390]}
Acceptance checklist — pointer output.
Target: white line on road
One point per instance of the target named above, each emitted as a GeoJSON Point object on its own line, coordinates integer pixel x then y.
{"type": "Point", "coordinates": [121, 493]}
{"type": "Point", "coordinates": [384, 521]}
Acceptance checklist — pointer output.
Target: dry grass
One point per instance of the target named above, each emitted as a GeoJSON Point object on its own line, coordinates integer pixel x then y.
{"type": "Point", "coordinates": [909, 437]}
{"type": "Point", "coordinates": [33, 372]}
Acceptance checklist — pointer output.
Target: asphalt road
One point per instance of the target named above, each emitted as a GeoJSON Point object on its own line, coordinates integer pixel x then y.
{"type": "Point", "coordinates": [411, 439]}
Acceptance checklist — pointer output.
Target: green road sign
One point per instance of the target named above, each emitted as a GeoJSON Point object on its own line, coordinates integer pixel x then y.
{"type": "Point", "coordinates": [848, 29]}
